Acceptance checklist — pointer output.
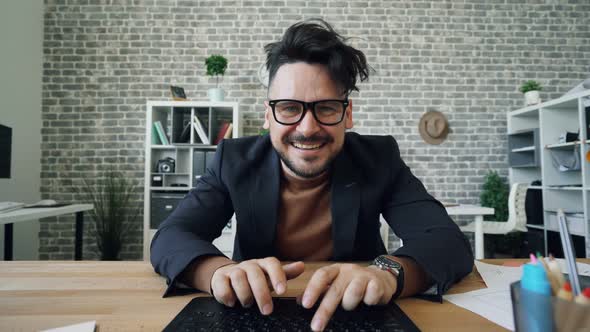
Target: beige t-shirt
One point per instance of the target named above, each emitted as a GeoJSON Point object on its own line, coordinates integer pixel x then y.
{"type": "Point", "coordinates": [304, 229]}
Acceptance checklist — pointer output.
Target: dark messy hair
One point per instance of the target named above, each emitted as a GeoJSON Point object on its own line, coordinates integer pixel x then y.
{"type": "Point", "coordinates": [314, 41]}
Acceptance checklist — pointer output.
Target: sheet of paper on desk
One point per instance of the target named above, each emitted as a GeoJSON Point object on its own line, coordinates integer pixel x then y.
{"type": "Point", "coordinates": [492, 304]}
{"type": "Point", "coordinates": [498, 276]}
{"type": "Point", "coordinates": [82, 327]}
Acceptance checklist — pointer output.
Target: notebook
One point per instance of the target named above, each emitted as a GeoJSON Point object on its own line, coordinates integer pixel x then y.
{"type": "Point", "coordinates": [206, 314]}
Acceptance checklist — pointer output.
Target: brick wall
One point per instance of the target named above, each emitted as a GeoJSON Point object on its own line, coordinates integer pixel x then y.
{"type": "Point", "coordinates": [104, 59]}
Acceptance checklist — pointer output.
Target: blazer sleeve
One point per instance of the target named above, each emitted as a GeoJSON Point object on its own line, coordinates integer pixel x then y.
{"type": "Point", "coordinates": [429, 235]}
{"type": "Point", "coordinates": [190, 229]}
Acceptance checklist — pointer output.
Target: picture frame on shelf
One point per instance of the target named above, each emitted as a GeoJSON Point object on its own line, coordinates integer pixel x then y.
{"type": "Point", "coordinates": [177, 93]}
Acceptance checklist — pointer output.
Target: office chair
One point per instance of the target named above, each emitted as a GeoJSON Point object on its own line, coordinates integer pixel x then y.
{"type": "Point", "coordinates": [516, 214]}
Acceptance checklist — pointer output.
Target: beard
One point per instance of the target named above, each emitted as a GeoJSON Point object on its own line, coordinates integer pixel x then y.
{"type": "Point", "coordinates": [306, 171]}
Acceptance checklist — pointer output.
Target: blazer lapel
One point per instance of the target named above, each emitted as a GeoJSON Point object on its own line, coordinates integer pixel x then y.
{"type": "Point", "coordinates": [264, 202]}
{"type": "Point", "coordinates": [346, 186]}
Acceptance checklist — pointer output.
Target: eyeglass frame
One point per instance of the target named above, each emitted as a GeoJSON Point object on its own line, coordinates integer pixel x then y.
{"type": "Point", "coordinates": [306, 107]}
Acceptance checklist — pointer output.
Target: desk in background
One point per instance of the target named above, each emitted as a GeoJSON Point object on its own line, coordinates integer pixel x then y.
{"type": "Point", "coordinates": [27, 214]}
{"type": "Point", "coordinates": [127, 296]}
{"type": "Point", "coordinates": [456, 210]}
{"type": "Point", "coordinates": [477, 212]}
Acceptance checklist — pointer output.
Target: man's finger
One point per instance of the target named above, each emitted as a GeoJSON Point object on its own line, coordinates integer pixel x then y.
{"type": "Point", "coordinates": [259, 286]}
{"type": "Point", "coordinates": [274, 270]}
{"type": "Point", "coordinates": [319, 282]}
{"type": "Point", "coordinates": [329, 303]}
{"type": "Point", "coordinates": [222, 291]}
{"type": "Point", "coordinates": [373, 293]}
{"type": "Point", "coordinates": [241, 287]}
{"type": "Point", "coordinates": [293, 270]}
{"type": "Point", "coordinates": [354, 293]}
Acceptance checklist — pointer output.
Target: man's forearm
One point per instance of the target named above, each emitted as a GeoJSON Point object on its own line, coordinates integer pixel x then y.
{"type": "Point", "coordinates": [415, 279]}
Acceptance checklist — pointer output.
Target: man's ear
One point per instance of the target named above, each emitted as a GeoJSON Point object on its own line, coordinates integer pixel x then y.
{"type": "Point", "coordinates": [348, 116]}
{"type": "Point", "coordinates": [267, 115]}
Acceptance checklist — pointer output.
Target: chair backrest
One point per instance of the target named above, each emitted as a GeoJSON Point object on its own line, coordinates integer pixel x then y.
{"type": "Point", "coordinates": [516, 208]}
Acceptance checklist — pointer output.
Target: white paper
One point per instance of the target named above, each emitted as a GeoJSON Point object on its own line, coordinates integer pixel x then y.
{"type": "Point", "coordinates": [583, 268]}
{"type": "Point", "coordinates": [498, 276]}
{"type": "Point", "coordinates": [82, 327]}
{"type": "Point", "coordinates": [492, 304]}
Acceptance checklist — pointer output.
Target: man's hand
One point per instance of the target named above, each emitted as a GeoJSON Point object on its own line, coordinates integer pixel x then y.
{"type": "Point", "coordinates": [252, 280]}
{"type": "Point", "coordinates": [348, 284]}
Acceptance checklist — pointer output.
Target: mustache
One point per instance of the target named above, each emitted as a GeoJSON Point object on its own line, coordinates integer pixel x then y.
{"type": "Point", "coordinates": [316, 138]}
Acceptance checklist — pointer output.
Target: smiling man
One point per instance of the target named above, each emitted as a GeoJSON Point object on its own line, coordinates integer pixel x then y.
{"type": "Point", "coordinates": [310, 191]}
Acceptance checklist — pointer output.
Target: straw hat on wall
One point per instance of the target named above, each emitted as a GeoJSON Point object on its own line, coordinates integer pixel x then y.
{"type": "Point", "coordinates": [433, 127]}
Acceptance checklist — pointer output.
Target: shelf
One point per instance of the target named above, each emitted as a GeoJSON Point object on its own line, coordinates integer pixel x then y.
{"type": "Point", "coordinates": [535, 226]}
{"type": "Point", "coordinates": [163, 147]}
{"type": "Point", "coordinates": [564, 188]}
{"type": "Point", "coordinates": [525, 166]}
{"type": "Point", "coordinates": [562, 145]}
{"type": "Point", "coordinates": [170, 188]}
{"type": "Point", "coordinates": [525, 149]}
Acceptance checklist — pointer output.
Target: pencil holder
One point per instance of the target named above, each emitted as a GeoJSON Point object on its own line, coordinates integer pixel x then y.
{"type": "Point", "coordinates": [528, 307]}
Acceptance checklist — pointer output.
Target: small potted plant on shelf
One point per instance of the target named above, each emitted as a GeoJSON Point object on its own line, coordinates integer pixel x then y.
{"type": "Point", "coordinates": [216, 66]}
{"type": "Point", "coordinates": [531, 92]}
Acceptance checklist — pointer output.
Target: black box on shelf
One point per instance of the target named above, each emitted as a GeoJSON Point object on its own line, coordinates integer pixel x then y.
{"type": "Point", "coordinates": [162, 204]}
{"type": "Point", "coordinates": [157, 180]}
{"type": "Point", "coordinates": [533, 205]}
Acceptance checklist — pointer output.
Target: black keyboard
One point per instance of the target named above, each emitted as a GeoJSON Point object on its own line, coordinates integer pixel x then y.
{"type": "Point", "coordinates": [206, 314]}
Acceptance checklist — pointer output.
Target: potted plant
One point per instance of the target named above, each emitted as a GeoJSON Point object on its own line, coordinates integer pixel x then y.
{"type": "Point", "coordinates": [216, 66]}
{"type": "Point", "coordinates": [495, 195]}
{"type": "Point", "coordinates": [531, 92]}
{"type": "Point", "coordinates": [114, 212]}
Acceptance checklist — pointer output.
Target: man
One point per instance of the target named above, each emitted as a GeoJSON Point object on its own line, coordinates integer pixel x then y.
{"type": "Point", "coordinates": [308, 191]}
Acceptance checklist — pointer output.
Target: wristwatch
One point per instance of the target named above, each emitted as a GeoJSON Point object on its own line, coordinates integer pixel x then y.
{"type": "Point", "coordinates": [385, 263]}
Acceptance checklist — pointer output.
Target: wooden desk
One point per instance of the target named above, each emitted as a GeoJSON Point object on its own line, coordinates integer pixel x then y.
{"type": "Point", "coordinates": [127, 296]}
{"type": "Point", "coordinates": [26, 214]}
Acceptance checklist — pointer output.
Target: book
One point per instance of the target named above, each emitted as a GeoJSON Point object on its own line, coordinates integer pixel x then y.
{"type": "Point", "coordinates": [155, 137]}
{"type": "Point", "coordinates": [200, 130]}
{"type": "Point", "coordinates": [185, 135]}
{"type": "Point", "coordinates": [161, 133]}
{"type": "Point", "coordinates": [222, 132]}
{"type": "Point", "coordinates": [229, 131]}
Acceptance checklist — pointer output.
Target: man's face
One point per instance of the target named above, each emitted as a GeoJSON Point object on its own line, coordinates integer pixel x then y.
{"type": "Point", "coordinates": [307, 147]}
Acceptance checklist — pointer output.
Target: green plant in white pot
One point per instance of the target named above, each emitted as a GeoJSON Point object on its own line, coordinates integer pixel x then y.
{"type": "Point", "coordinates": [216, 66]}
{"type": "Point", "coordinates": [531, 92]}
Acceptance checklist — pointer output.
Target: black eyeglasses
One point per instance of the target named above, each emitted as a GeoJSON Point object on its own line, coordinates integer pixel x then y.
{"type": "Point", "coordinates": [328, 112]}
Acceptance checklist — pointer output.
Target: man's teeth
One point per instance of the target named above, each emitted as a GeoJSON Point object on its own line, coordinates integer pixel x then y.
{"type": "Point", "coordinates": [306, 146]}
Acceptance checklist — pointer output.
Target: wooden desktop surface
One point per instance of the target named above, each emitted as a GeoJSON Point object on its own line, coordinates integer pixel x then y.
{"type": "Point", "coordinates": [127, 296]}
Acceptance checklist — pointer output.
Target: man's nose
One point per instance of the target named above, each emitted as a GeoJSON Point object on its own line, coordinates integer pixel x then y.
{"type": "Point", "coordinates": [308, 125]}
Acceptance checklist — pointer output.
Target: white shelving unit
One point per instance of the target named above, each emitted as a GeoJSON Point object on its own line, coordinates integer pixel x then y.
{"type": "Point", "coordinates": [534, 140]}
{"type": "Point", "coordinates": [163, 190]}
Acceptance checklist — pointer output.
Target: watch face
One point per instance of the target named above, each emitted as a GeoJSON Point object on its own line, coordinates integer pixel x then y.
{"type": "Point", "coordinates": [387, 262]}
